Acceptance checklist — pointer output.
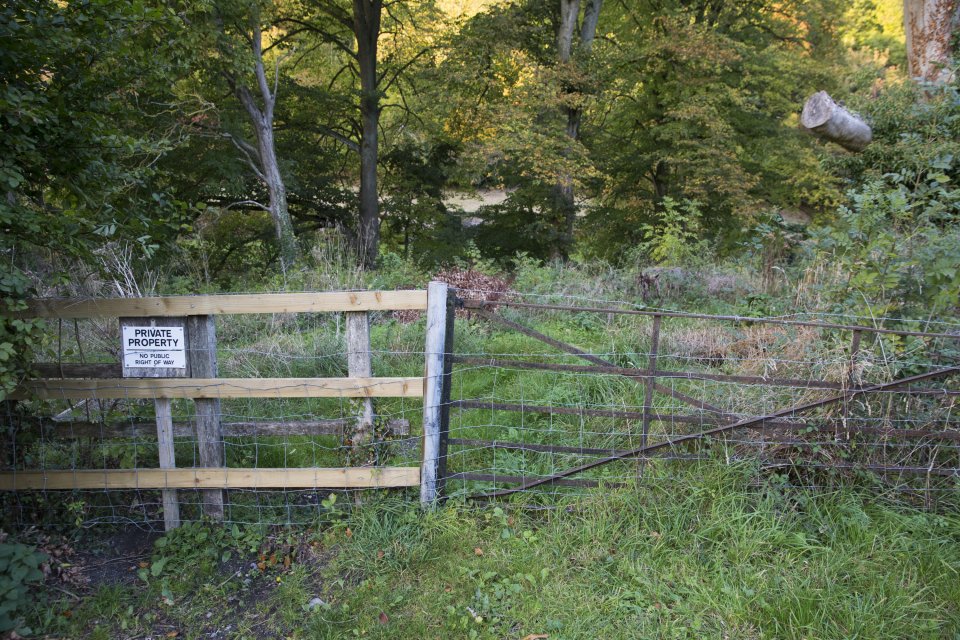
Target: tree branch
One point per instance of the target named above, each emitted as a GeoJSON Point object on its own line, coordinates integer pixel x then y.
{"type": "Point", "coordinates": [406, 65]}
{"type": "Point", "coordinates": [268, 99]}
{"type": "Point", "coordinates": [326, 35]}
{"type": "Point", "coordinates": [249, 153]}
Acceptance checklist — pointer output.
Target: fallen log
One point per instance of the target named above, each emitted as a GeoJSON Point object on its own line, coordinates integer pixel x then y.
{"type": "Point", "coordinates": [826, 119]}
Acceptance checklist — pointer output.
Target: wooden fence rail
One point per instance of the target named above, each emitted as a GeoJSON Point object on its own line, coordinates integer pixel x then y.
{"type": "Point", "coordinates": [193, 388]}
{"type": "Point", "coordinates": [197, 380]}
{"type": "Point", "coordinates": [177, 306]}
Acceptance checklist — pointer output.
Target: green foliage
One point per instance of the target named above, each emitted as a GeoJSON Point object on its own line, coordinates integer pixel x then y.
{"type": "Point", "coordinates": [693, 553]}
{"type": "Point", "coordinates": [20, 566]}
{"type": "Point", "coordinates": [527, 223]}
{"type": "Point", "coordinates": [916, 134]}
{"type": "Point", "coordinates": [196, 547]}
{"type": "Point", "coordinates": [417, 223]}
{"type": "Point", "coordinates": [893, 251]}
{"type": "Point", "coordinates": [699, 103]}
{"type": "Point", "coordinates": [87, 109]}
{"type": "Point", "coordinates": [674, 239]}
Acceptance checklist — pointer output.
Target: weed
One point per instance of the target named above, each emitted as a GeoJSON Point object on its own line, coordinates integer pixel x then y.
{"type": "Point", "coordinates": [20, 567]}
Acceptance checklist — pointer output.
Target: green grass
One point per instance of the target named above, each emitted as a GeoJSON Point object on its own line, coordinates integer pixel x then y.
{"type": "Point", "coordinates": [695, 555]}
{"type": "Point", "coordinates": [696, 550]}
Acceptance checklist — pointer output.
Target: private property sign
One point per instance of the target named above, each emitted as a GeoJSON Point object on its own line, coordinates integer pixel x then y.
{"type": "Point", "coordinates": [154, 347]}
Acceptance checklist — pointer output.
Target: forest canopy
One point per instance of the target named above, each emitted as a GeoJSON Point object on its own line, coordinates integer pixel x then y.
{"type": "Point", "coordinates": [230, 143]}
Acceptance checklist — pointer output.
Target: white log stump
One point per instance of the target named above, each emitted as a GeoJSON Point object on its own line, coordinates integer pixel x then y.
{"type": "Point", "coordinates": [826, 119]}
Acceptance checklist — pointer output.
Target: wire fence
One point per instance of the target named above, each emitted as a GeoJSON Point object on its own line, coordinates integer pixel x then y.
{"type": "Point", "coordinates": [546, 400]}
{"type": "Point", "coordinates": [553, 398]}
{"type": "Point", "coordinates": [269, 432]}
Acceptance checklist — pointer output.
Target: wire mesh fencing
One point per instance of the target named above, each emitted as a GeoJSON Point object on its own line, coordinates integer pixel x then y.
{"type": "Point", "coordinates": [544, 399]}
{"type": "Point", "coordinates": [554, 397]}
{"type": "Point", "coordinates": [280, 416]}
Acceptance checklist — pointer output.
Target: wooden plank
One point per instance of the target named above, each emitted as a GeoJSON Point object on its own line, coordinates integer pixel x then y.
{"type": "Point", "coordinates": [327, 301]}
{"type": "Point", "coordinates": [143, 430]}
{"type": "Point", "coordinates": [433, 388]}
{"type": "Point", "coordinates": [205, 478]}
{"type": "Point", "coordinates": [129, 388]}
{"type": "Point", "coordinates": [171, 508]}
{"type": "Point", "coordinates": [202, 339]}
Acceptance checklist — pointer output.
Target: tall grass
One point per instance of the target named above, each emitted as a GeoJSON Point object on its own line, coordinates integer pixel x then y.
{"type": "Point", "coordinates": [691, 557]}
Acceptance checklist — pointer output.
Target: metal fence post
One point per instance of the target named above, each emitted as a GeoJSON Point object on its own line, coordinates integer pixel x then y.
{"type": "Point", "coordinates": [445, 394]}
{"type": "Point", "coordinates": [433, 389]}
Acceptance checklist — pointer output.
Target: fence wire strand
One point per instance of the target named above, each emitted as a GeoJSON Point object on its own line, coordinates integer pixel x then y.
{"type": "Point", "coordinates": [510, 421]}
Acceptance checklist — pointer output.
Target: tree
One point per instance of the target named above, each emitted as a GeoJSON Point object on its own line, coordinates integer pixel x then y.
{"type": "Point", "coordinates": [89, 112]}
{"type": "Point", "coordinates": [262, 158]}
{"type": "Point", "coordinates": [931, 29]}
{"type": "Point", "coordinates": [699, 103]}
{"type": "Point", "coordinates": [509, 103]}
{"type": "Point", "coordinates": [354, 31]}
{"type": "Point", "coordinates": [573, 90]}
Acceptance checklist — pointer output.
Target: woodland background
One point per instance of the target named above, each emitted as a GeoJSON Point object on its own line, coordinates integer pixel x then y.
{"type": "Point", "coordinates": [241, 146]}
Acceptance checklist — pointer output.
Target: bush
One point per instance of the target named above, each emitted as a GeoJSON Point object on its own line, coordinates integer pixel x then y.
{"type": "Point", "coordinates": [19, 568]}
{"type": "Point", "coordinates": [891, 252]}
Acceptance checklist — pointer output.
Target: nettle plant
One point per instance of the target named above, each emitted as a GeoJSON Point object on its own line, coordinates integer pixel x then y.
{"type": "Point", "coordinates": [20, 566]}
{"type": "Point", "coordinates": [892, 251]}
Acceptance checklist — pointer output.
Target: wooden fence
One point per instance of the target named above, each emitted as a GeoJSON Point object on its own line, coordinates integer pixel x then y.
{"type": "Point", "coordinates": [197, 379]}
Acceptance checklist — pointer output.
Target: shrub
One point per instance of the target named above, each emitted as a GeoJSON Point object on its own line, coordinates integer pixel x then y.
{"type": "Point", "coordinates": [20, 566]}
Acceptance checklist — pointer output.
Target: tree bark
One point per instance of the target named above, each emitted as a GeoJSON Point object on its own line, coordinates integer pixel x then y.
{"type": "Point", "coordinates": [826, 119]}
{"type": "Point", "coordinates": [267, 167]}
{"type": "Point", "coordinates": [929, 26]}
{"type": "Point", "coordinates": [366, 21]}
{"type": "Point", "coordinates": [564, 195]}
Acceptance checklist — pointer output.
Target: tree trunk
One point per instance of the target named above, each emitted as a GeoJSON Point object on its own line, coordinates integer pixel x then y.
{"type": "Point", "coordinates": [267, 166]}
{"type": "Point", "coordinates": [279, 210]}
{"type": "Point", "coordinates": [564, 196]}
{"type": "Point", "coordinates": [826, 119]}
{"type": "Point", "coordinates": [929, 26]}
{"type": "Point", "coordinates": [366, 19]}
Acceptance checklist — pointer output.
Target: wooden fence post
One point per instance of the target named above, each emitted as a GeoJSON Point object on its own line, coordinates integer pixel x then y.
{"type": "Point", "coordinates": [131, 367]}
{"type": "Point", "coordinates": [359, 366]}
{"type": "Point", "coordinates": [432, 389]}
{"type": "Point", "coordinates": [203, 364]}
{"type": "Point", "coordinates": [171, 507]}
{"type": "Point", "coordinates": [445, 393]}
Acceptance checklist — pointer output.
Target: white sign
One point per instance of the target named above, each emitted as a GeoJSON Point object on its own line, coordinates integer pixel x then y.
{"type": "Point", "coordinates": [154, 348]}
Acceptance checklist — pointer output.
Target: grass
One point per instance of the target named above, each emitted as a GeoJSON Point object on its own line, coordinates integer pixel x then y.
{"type": "Point", "coordinates": [702, 554]}
{"type": "Point", "coordinates": [312, 345]}
{"type": "Point", "coordinates": [702, 549]}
